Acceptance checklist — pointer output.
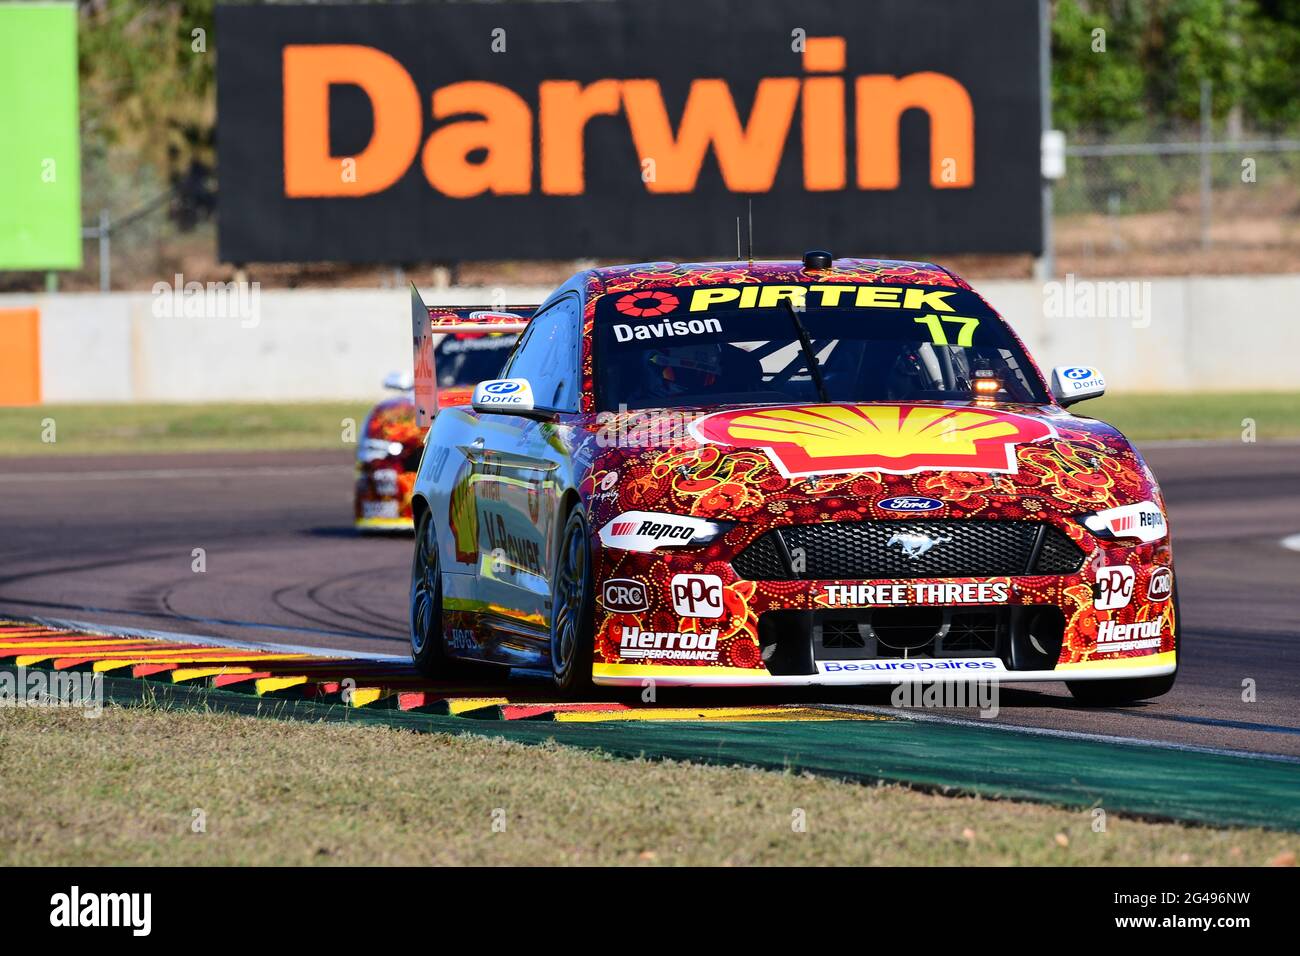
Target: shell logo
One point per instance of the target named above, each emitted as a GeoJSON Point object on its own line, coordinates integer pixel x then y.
{"type": "Point", "coordinates": [900, 439]}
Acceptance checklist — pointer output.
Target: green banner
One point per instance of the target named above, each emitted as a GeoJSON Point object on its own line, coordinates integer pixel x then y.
{"type": "Point", "coordinates": [40, 162]}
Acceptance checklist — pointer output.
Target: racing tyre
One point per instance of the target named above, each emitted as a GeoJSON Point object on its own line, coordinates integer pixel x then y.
{"type": "Point", "coordinates": [572, 647]}
{"type": "Point", "coordinates": [1113, 693]}
{"type": "Point", "coordinates": [1110, 693]}
{"type": "Point", "coordinates": [427, 651]}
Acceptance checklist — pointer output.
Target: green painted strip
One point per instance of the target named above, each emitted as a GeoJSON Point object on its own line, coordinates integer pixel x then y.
{"type": "Point", "coordinates": [1217, 789]}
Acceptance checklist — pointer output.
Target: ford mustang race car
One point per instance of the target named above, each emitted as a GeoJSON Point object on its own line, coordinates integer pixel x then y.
{"type": "Point", "coordinates": [820, 472]}
{"type": "Point", "coordinates": [470, 347]}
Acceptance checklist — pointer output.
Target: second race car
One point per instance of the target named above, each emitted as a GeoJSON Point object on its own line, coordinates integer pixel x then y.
{"type": "Point", "coordinates": [471, 345]}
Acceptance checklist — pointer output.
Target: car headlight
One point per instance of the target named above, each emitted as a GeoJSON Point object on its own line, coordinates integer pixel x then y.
{"type": "Point", "coordinates": [1143, 521]}
{"type": "Point", "coordinates": [375, 449]}
{"type": "Point", "coordinates": [651, 530]}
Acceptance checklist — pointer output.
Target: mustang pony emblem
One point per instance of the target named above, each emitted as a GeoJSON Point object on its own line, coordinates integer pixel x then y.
{"type": "Point", "coordinates": [915, 545]}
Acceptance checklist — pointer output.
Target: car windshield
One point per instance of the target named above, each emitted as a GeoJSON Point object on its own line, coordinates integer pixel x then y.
{"type": "Point", "coordinates": [737, 345]}
{"type": "Point", "coordinates": [467, 358]}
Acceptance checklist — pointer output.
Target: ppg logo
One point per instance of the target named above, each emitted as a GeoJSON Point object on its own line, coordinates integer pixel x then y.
{"type": "Point", "coordinates": [1078, 374]}
{"type": "Point", "coordinates": [501, 388]}
{"type": "Point", "coordinates": [697, 595]}
{"type": "Point", "coordinates": [1114, 587]}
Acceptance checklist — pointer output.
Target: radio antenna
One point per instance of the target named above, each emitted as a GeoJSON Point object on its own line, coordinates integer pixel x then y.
{"type": "Point", "coordinates": [751, 232]}
{"type": "Point", "coordinates": [737, 238]}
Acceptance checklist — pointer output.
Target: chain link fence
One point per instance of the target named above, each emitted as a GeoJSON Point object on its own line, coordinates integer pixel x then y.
{"type": "Point", "coordinates": [1178, 202]}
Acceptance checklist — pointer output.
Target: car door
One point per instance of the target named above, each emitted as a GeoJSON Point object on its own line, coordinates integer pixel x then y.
{"type": "Point", "coordinates": [515, 482]}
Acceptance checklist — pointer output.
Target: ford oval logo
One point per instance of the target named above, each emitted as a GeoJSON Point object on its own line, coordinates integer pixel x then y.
{"type": "Point", "coordinates": [910, 504]}
{"type": "Point", "coordinates": [501, 388]}
{"type": "Point", "coordinates": [1076, 374]}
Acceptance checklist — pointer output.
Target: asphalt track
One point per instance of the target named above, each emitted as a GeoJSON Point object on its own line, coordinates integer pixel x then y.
{"type": "Point", "coordinates": [111, 541]}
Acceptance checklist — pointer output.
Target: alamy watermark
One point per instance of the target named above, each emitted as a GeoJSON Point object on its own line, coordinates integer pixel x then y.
{"type": "Point", "coordinates": [1098, 299]}
{"type": "Point", "coordinates": [980, 694]}
{"type": "Point", "coordinates": [629, 429]}
{"type": "Point", "coordinates": [211, 300]}
{"type": "Point", "coordinates": [42, 688]}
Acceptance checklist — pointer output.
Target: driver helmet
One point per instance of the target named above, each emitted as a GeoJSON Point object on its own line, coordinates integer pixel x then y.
{"type": "Point", "coordinates": [682, 369]}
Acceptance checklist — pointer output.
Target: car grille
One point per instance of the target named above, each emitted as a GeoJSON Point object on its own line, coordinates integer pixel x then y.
{"type": "Point", "coordinates": [862, 549]}
{"type": "Point", "coordinates": [1026, 637]}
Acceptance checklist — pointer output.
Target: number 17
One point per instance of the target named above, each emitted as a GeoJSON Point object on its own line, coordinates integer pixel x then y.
{"type": "Point", "coordinates": [937, 334]}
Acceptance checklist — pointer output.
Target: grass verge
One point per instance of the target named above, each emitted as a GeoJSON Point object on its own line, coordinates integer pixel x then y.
{"type": "Point", "coordinates": [1198, 415]}
{"type": "Point", "coordinates": [104, 429]}
{"type": "Point", "coordinates": [115, 429]}
{"type": "Point", "coordinates": [127, 788]}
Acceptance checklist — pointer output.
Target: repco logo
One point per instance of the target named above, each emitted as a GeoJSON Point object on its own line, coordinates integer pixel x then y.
{"type": "Point", "coordinates": [484, 133]}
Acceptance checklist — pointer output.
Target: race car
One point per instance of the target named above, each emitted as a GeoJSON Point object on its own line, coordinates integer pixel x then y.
{"type": "Point", "coordinates": [470, 346]}
{"type": "Point", "coordinates": [816, 472]}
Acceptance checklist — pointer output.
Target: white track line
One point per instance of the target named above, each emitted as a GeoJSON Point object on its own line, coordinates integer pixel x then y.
{"type": "Point", "coordinates": [182, 638]}
{"type": "Point", "coordinates": [1291, 542]}
{"type": "Point", "coordinates": [895, 712]}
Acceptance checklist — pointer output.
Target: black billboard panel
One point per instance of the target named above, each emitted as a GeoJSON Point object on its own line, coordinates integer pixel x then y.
{"type": "Point", "coordinates": [626, 131]}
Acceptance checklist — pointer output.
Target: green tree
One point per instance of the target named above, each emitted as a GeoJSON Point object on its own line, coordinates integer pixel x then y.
{"type": "Point", "coordinates": [148, 84]}
{"type": "Point", "coordinates": [1096, 79]}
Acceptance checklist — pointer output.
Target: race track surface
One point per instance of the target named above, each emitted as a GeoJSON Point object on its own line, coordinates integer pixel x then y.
{"type": "Point", "coordinates": [112, 540]}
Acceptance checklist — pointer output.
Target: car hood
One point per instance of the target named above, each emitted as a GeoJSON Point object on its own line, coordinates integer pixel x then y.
{"type": "Point", "coordinates": [831, 462]}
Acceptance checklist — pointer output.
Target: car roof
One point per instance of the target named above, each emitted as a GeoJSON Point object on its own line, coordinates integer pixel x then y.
{"type": "Point", "coordinates": [850, 270]}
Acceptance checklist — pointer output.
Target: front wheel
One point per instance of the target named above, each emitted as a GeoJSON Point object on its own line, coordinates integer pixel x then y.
{"type": "Point", "coordinates": [1113, 693]}
{"type": "Point", "coordinates": [426, 603]}
{"type": "Point", "coordinates": [572, 647]}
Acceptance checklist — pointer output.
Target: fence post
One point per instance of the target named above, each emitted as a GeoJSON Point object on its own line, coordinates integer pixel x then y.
{"type": "Point", "coordinates": [1047, 262]}
{"type": "Point", "coordinates": [105, 253]}
{"type": "Point", "coordinates": [1207, 119]}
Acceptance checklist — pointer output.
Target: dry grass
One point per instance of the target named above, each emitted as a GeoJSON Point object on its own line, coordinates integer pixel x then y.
{"type": "Point", "coordinates": [123, 789]}
{"type": "Point", "coordinates": [104, 429]}
{"type": "Point", "coordinates": [154, 428]}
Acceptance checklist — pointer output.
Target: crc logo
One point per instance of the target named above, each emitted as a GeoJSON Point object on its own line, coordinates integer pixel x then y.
{"type": "Point", "coordinates": [1114, 588]}
{"type": "Point", "coordinates": [501, 388]}
{"type": "Point", "coordinates": [1078, 374]}
{"type": "Point", "coordinates": [910, 504]}
{"type": "Point", "coordinates": [1161, 585]}
{"type": "Point", "coordinates": [697, 595]}
{"type": "Point", "coordinates": [624, 596]}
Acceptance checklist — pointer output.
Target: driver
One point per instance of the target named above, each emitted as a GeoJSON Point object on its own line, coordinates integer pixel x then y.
{"type": "Point", "coordinates": [915, 372]}
{"type": "Point", "coordinates": [669, 372]}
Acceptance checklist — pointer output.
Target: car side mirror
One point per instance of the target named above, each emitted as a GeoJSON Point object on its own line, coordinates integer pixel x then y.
{"type": "Point", "coordinates": [1074, 383]}
{"type": "Point", "coordinates": [399, 381]}
{"type": "Point", "coordinates": [510, 396]}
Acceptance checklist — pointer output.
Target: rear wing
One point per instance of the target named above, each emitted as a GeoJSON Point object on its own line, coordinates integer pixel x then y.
{"type": "Point", "coordinates": [428, 323]}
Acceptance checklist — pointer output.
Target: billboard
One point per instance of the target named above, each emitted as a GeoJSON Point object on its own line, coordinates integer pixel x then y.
{"type": "Point", "coordinates": [626, 131]}
{"type": "Point", "coordinates": [40, 163]}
